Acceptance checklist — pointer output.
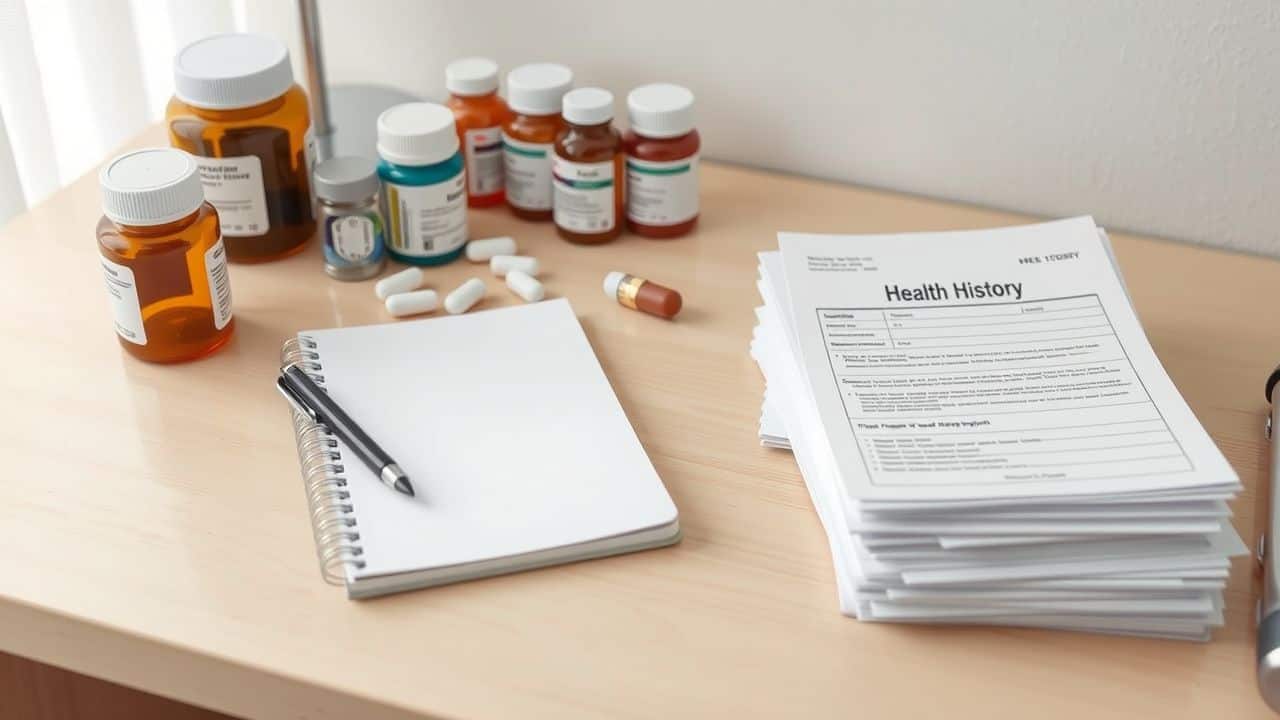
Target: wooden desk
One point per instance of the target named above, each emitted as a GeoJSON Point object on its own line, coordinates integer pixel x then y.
{"type": "Point", "coordinates": [156, 532]}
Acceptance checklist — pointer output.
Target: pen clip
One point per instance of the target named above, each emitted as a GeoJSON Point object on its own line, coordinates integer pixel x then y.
{"type": "Point", "coordinates": [283, 386]}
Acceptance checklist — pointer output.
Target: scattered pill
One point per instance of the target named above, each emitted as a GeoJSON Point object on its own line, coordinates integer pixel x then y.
{"type": "Point", "coordinates": [466, 295]}
{"type": "Point", "coordinates": [413, 303]}
{"type": "Point", "coordinates": [502, 264]}
{"type": "Point", "coordinates": [644, 295]}
{"type": "Point", "coordinates": [525, 285]}
{"type": "Point", "coordinates": [403, 281]}
{"type": "Point", "coordinates": [483, 250]}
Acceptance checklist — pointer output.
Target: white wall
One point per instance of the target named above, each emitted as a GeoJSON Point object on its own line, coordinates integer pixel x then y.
{"type": "Point", "coordinates": [1161, 117]}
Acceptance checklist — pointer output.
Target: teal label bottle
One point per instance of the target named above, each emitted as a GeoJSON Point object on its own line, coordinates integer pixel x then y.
{"type": "Point", "coordinates": [424, 185]}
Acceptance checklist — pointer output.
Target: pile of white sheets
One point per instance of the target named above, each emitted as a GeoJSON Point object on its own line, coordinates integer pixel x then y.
{"type": "Point", "coordinates": [988, 437]}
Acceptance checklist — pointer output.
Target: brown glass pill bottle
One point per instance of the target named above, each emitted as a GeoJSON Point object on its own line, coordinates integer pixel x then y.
{"type": "Point", "coordinates": [237, 109]}
{"type": "Point", "coordinates": [534, 93]}
{"type": "Point", "coordinates": [587, 172]}
{"type": "Point", "coordinates": [162, 257]}
{"type": "Point", "coordinates": [662, 161]}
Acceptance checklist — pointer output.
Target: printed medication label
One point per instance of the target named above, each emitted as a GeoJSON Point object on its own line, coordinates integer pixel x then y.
{"type": "Point", "coordinates": [484, 160]}
{"type": "Point", "coordinates": [215, 268]}
{"type": "Point", "coordinates": [124, 301]}
{"type": "Point", "coordinates": [353, 237]}
{"type": "Point", "coordinates": [662, 193]}
{"type": "Point", "coordinates": [428, 220]}
{"type": "Point", "coordinates": [528, 173]}
{"type": "Point", "coordinates": [584, 196]}
{"type": "Point", "coordinates": [233, 185]}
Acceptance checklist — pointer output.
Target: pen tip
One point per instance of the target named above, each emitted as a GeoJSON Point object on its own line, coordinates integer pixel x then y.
{"type": "Point", "coordinates": [402, 484]}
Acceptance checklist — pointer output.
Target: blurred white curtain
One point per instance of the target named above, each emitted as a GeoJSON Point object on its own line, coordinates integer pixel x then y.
{"type": "Point", "coordinates": [78, 78]}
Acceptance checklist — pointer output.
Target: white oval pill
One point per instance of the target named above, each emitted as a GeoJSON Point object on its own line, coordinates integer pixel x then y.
{"type": "Point", "coordinates": [403, 281]}
{"type": "Point", "coordinates": [525, 285]}
{"type": "Point", "coordinates": [483, 250]}
{"type": "Point", "coordinates": [412, 303]}
{"type": "Point", "coordinates": [502, 264]}
{"type": "Point", "coordinates": [466, 295]}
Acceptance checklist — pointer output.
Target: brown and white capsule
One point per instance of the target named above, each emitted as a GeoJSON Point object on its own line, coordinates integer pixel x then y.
{"type": "Point", "coordinates": [643, 295]}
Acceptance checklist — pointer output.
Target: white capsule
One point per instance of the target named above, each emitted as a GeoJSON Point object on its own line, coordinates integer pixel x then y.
{"type": "Point", "coordinates": [413, 303]}
{"type": "Point", "coordinates": [403, 281]}
{"type": "Point", "coordinates": [502, 264]}
{"type": "Point", "coordinates": [525, 285]}
{"type": "Point", "coordinates": [483, 250]}
{"type": "Point", "coordinates": [466, 295]}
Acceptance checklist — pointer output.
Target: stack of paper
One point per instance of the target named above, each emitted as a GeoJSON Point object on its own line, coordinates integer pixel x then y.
{"type": "Point", "coordinates": [988, 436]}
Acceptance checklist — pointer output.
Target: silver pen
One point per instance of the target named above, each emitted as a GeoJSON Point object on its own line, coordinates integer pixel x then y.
{"type": "Point", "coordinates": [1269, 603]}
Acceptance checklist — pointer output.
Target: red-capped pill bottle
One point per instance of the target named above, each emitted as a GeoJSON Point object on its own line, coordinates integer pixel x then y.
{"type": "Point", "coordinates": [662, 149]}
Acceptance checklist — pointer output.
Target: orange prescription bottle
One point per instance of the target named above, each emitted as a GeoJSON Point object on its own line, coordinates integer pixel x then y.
{"type": "Point", "coordinates": [162, 257]}
{"type": "Point", "coordinates": [480, 115]}
{"type": "Point", "coordinates": [237, 109]}
{"type": "Point", "coordinates": [534, 93]}
{"type": "Point", "coordinates": [662, 161]}
{"type": "Point", "coordinates": [587, 172]}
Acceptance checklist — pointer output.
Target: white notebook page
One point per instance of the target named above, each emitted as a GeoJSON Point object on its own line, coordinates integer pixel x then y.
{"type": "Point", "coordinates": [505, 424]}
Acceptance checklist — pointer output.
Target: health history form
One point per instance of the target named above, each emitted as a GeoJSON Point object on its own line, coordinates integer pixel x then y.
{"type": "Point", "coordinates": [986, 364]}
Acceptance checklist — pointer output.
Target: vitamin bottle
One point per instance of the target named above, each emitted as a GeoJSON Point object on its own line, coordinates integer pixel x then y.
{"type": "Point", "coordinates": [534, 93]}
{"type": "Point", "coordinates": [237, 109]}
{"type": "Point", "coordinates": [424, 186]}
{"type": "Point", "coordinates": [662, 161]}
{"type": "Point", "coordinates": [587, 172]}
{"type": "Point", "coordinates": [162, 256]}
{"type": "Point", "coordinates": [480, 115]}
{"type": "Point", "coordinates": [350, 219]}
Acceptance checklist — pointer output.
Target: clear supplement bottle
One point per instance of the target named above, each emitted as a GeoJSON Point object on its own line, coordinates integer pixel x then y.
{"type": "Point", "coordinates": [662, 161]}
{"type": "Point", "coordinates": [424, 185]}
{"type": "Point", "coordinates": [587, 171]}
{"type": "Point", "coordinates": [534, 93]}
{"type": "Point", "coordinates": [350, 218]}
{"type": "Point", "coordinates": [480, 115]}
{"type": "Point", "coordinates": [162, 256]}
{"type": "Point", "coordinates": [237, 109]}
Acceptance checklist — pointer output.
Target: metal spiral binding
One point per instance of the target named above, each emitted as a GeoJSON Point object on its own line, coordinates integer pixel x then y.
{"type": "Point", "coordinates": [333, 520]}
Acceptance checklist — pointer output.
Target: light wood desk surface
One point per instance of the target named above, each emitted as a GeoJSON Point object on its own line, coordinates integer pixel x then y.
{"type": "Point", "coordinates": [156, 532]}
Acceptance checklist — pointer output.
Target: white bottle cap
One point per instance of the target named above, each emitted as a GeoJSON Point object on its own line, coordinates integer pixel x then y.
{"type": "Point", "coordinates": [660, 110]}
{"type": "Point", "coordinates": [150, 187]}
{"type": "Point", "coordinates": [537, 89]}
{"type": "Point", "coordinates": [471, 76]}
{"type": "Point", "coordinates": [234, 70]}
{"type": "Point", "coordinates": [418, 133]}
{"type": "Point", "coordinates": [588, 106]}
{"type": "Point", "coordinates": [611, 283]}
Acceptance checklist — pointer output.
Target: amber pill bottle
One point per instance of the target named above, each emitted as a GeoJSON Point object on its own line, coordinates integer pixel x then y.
{"type": "Point", "coordinates": [662, 149]}
{"type": "Point", "coordinates": [162, 257]}
{"type": "Point", "coordinates": [237, 110]}
{"type": "Point", "coordinates": [534, 93]}
{"type": "Point", "coordinates": [480, 115]}
{"type": "Point", "coordinates": [587, 172]}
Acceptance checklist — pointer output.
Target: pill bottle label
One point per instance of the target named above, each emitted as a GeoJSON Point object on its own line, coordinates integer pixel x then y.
{"type": "Point", "coordinates": [233, 185]}
{"type": "Point", "coordinates": [353, 240]}
{"type": "Point", "coordinates": [662, 193]}
{"type": "Point", "coordinates": [428, 220]}
{"type": "Point", "coordinates": [483, 150]}
{"type": "Point", "coordinates": [528, 173]}
{"type": "Point", "coordinates": [584, 196]}
{"type": "Point", "coordinates": [123, 293]}
{"type": "Point", "coordinates": [215, 267]}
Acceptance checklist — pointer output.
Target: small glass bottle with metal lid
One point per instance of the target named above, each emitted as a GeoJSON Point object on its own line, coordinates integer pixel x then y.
{"type": "Point", "coordinates": [351, 222]}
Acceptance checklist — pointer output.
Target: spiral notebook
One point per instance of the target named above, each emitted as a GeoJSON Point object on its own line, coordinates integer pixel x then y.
{"type": "Point", "coordinates": [516, 445]}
